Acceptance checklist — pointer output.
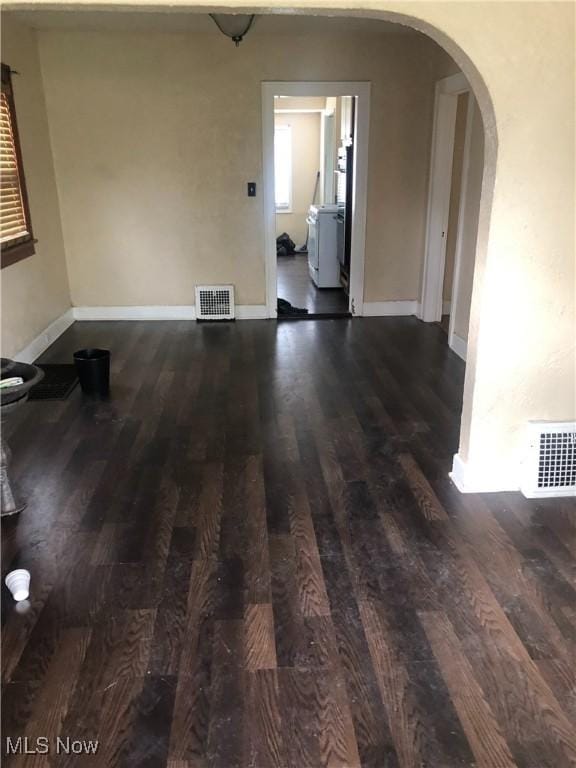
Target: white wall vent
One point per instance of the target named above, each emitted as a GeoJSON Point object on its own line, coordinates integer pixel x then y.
{"type": "Point", "coordinates": [214, 302]}
{"type": "Point", "coordinates": [550, 466]}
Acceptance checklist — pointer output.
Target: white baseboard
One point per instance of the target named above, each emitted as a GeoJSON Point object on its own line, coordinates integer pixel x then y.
{"type": "Point", "coordinates": [470, 480]}
{"type": "Point", "coordinates": [390, 308]}
{"type": "Point", "coordinates": [458, 474]}
{"type": "Point", "coordinates": [458, 345]}
{"type": "Point", "coordinates": [135, 313]}
{"type": "Point", "coordinates": [49, 335]}
{"type": "Point", "coordinates": [187, 312]}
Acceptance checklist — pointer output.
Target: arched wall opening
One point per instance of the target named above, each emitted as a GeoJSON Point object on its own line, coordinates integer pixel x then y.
{"type": "Point", "coordinates": [521, 352]}
{"type": "Point", "coordinates": [379, 18]}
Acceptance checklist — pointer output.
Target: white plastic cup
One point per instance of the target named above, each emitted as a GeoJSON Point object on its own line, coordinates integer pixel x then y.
{"type": "Point", "coordinates": [18, 582]}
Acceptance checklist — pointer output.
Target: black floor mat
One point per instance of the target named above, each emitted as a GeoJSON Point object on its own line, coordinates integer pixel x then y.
{"type": "Point", "coordinates": [58, 382]}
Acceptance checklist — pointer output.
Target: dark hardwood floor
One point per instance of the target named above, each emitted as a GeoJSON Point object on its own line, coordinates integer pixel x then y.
{"type": "Point", "coordinates": [295, 286]}
{"type": "Point", "coordinates": [252, 556]}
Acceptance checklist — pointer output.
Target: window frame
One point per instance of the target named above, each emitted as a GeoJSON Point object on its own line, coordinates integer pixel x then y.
{"type": "Point", "coordinates": [288, 207]}
{"type": "Point", "coordinates": [11, 253]}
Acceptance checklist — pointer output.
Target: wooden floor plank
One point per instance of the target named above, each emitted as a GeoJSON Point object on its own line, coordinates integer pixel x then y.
{"type": "Point", "coordinates": [265, 734]}
{"type": "Point", "coordinates": [411, 692]}
{"type": "Point", "coordinates": [260, 647]}
{"type": "Point", "coordinates": [478, 720]}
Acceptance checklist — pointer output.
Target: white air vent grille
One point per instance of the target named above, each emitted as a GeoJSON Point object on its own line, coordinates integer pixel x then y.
{"type": "Point", "coordinates": [214, 302]}
{"type": "Point", "coordinates": [550, 468]}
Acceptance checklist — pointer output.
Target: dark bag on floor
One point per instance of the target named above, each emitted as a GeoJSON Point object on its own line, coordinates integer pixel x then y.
{"type": "Point", "coordinates": [284, 245]}
{"type": "Point", "coordinates": [285, 308]}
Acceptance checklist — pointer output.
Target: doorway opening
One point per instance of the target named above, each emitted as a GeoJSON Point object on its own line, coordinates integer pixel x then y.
{"type": "Point", "coordinates": [313, 171]}
{"type": "Point", "coordinates": [315, 168]}
{"type": "Point", "coordinates": [456, 170]}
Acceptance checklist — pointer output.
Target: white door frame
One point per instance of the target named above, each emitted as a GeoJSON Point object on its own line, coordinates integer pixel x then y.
{"type": "Point", "coordinates": [325, 88]}
{"type": "Point", "coordinates": [440, 182]}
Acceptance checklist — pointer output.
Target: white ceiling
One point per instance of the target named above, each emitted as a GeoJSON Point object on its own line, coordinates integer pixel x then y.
{"type": "Point", "coordinates": [178, 21]}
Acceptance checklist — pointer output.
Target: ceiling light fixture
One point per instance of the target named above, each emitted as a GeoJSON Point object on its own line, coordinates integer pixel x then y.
{"type": "Point", "coordinates": [235, 26]}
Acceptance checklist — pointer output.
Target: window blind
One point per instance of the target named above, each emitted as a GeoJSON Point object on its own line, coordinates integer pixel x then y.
{"type": "Point", "coordinates": [13, 225]}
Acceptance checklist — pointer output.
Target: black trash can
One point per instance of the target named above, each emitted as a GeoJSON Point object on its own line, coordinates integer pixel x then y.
{"type": "Point", "coordinates": [93, 367]}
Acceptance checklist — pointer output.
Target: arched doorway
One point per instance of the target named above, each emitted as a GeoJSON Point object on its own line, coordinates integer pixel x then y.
{"type": "Point", "coordinates": [522, 322]}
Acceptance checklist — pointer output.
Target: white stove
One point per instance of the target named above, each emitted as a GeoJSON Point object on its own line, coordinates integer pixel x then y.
{"type": "Point", "coordinates": [323, 264]}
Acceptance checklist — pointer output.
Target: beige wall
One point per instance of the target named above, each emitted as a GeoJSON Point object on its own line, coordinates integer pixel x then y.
{"type": "Point", "coordinates": [472, 194]}
{"type": "Point", "coordinates": [34, 291]}
{"type": "Point", "coordinates": [305, 166]}
{"type": "Point", "coordinates": [299, 102]}
{"type": "Point", "coordinates": [152, 207]}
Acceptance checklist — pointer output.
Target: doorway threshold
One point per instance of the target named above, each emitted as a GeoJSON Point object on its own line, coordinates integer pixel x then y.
{"type": "Point", "coordinates": [316, 316]}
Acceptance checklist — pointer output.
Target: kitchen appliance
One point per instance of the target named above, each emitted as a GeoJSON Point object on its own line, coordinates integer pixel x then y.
{"type": "Point", "coordinates": [344, 194]}
{"type": "Point", "coordinates": [323, 264]}
{"type": "Point", "coordinates": [341, 170]}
